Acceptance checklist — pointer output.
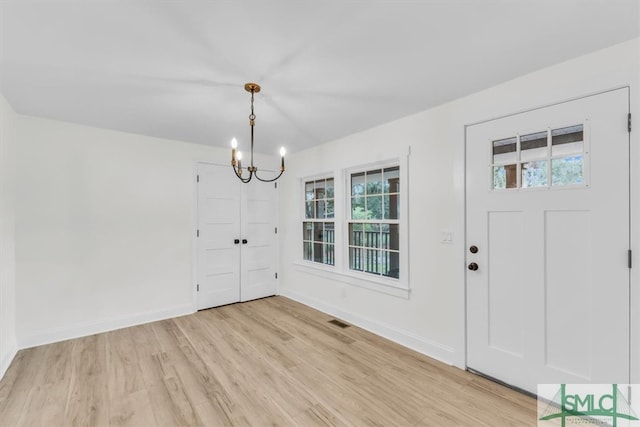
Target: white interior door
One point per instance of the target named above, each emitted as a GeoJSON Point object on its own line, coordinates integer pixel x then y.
{"type": "Point", "coordinates": [219, 228]}
{"type": "Point", "coordinates": [259, 254]}
{"type": "Point", "coordinates": [548, 210]}
{"type": "Point", "coordinates": [237, 242]}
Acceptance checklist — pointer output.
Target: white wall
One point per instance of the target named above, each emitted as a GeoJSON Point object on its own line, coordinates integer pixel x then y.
{"type": "Point", "coordinates": [8, 346]}
{"type": "Point", "coordinates": [432, 319]}
{"type": "Point", "coordinates": [105, 229]}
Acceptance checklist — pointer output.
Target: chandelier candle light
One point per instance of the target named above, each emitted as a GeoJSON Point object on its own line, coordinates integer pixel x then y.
{"type": "Point", "coordinates": [236, 156]}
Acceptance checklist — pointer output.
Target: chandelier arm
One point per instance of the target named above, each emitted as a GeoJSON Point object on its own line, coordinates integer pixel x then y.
{"type": "Point", "coordinates": [244, 180]}
{"type": "Point", "coordinates": [269, 180]}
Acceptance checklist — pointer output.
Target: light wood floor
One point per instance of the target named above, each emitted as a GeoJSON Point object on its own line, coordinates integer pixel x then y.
{"type": "Point", "coordinates": [266, 362]}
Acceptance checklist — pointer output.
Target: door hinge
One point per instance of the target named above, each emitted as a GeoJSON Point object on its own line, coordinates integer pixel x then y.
{"type": "Point", "coordinates": [197, 178]}
{"type": "Point", "coordinates": [629, 260]}
{"type": "Point", "coordinates": [198, 287]}
{"type": "Point", "coordinates": [197, 233]}
{"type": "Point", "coordinates": [276, 275]}
{"type": "Point", "coordinates": [629, 122]}
{"type": "Point", "coordinates": [276, 230]}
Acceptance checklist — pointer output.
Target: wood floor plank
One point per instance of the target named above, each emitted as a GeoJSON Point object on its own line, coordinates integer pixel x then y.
{"type": "Point", "coordinates": [266, 362]}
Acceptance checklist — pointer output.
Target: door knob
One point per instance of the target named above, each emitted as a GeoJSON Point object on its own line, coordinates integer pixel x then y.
{"type": "Point", "coordinates": [473, 266]}
{"type": "Point", "coordinates": [236, 241]}
{"type": "Point", "coordinates": [473, 249]}
{"type": "Point", "coordinates": [244, 241]}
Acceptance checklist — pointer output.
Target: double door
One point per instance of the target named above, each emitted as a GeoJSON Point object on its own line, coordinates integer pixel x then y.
{"type": "Point", "coordinates": [237, 238]}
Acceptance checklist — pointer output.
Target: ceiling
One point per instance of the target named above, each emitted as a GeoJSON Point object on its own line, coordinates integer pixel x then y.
{"type": "Point", "coordinates": [176, 69]}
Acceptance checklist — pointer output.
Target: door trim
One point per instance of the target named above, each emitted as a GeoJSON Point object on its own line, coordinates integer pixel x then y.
{"type": "Point", "coordinates": [461, 221]}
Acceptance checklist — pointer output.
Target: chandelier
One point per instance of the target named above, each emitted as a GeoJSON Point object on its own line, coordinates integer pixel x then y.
{"type": "Point", "coordinates": [236, 156]}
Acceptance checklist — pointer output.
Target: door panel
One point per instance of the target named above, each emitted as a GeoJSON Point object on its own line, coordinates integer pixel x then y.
{"type": "Point", "coordinates": [218, 224]}
{"type": "Point", "coordinates": [548, 208]}
{"type": "Point", "coordinates": [259, 255]}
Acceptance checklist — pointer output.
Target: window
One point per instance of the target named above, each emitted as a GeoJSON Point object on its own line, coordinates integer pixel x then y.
{"type": "Point", "coordinates": [374, 225]}
{"type": "Point", "coordinates": [545, 159]}
{"type": "Point", "coordinates": [318, 227]}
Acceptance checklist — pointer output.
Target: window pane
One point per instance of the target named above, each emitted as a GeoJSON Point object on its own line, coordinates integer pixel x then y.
{"type": "Point", "coordinates": [308, 251]}
{"type": "Point", "coordinates": [393, 269]}
{"type": "Point", "coordinates": [357, 208]}
{"type": "Point", "coordinates": [307, 231]}
{"type": "Point", "coordinates": [355, 259]}
{"type": "Point", "coordinates": [391, 206]}
{"type": "Point", "coordinates": [374, 207]}
{"type": "Point", "coordinates": [320, 209]}
{"type": "Point", "coordinates": [567, 140]}
{"type": "Point", "coordinates": [308, 191]}
{"type": "Point", "coordinates": [371, 235]}
{"type": "Point", "coordinates": [320, 189]}
{"type": "Point", "coordinates": [534, 174]}
{"type": "Point", "coordinates": [317, 231]}
{"type": "Point", "coordinates": [308, 211]}
{"type": "Point", "coordinates": [394, 237]}
{"type": "Point", "coordinates": [504, 151]}
{"type": "Point", "coordinates": [505, 177]}
{"type": "Point", "coordinates": [317, 252]}
{"type": "Point", "coordinates": [567, 171]}
{"type": "Point", "coordinates": [329, 254]}
{"type": "Point", "coordinates": [391, 180]}
{"type": "Point", "coordinates": [329, 209]}
{"type": "Point", "coordinates": [329, 188]}
{"type": "Point", "coordinates": [533, 146]}
{"type": "Point", "coordinates": [372, 261]}
{"type": "Point", "coordinates": [357, 184]}
{"type": "Point", "coordinates": [329, 232]}
{"type": "Point", "coordinates": [374, 182]}
{"type": "Point", "coordinates": [356, 234]}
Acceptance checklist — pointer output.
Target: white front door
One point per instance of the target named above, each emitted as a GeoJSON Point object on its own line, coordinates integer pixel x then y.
{"type": "Point", "coordinates": [548, 219]}
{"type": "Point", "coordinates": [237, 240]}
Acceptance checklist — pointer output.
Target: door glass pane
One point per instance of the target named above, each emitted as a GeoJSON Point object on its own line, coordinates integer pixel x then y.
{"type": "Point", "coordinates": [504, 150]}
{"type": "Point", "coordinates": [534, 174]}
{"type": "Point", "coordinates": [567, 171]}
{"type": "Point", "coordinates": [533, 146]}
{"type": "Point", "coordinates": [374, 182]}
{"type": "Point", "coordinates": [505, 177]}
{"type": "Point", "coordinates": [567, 140]}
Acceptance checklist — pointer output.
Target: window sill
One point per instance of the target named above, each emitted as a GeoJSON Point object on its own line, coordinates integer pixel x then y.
{"type": "Point", "coordinates": [378, 285]}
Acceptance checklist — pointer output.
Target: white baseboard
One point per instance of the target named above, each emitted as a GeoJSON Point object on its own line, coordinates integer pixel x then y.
{"type": "Point", "coordinates": [6, 361]}
{"type": "Point", "coordinates": [51, 336]}
{"type": "Point", "coordinates": [407, 339]}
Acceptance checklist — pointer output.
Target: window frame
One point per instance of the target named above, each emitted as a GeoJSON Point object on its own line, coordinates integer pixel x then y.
{"type": "Point", "coordinates": [314, 220]}
{"type": "Point", "coordinates": [340, 272]}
